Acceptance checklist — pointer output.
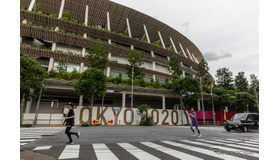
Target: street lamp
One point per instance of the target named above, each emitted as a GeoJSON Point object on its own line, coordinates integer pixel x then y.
{"type": "Point", "coordinates": [38, 103]}
{"type": "Point", "coordinates": [257, 97]}
{"type": "Point", "coordinates": [200, 78]}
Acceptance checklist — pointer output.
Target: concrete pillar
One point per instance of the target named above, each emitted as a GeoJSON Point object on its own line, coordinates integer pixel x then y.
{"type": "Point", "coordinates": [51, 62]}
{"type": "Point", "coordinates": [184, 74]}
{"type": "Point", "coordinates": [171, 40]}
{"type": "Point", "coordinates": [154, 77]}
{"type": "Point", "coordinates": [195, 59]}
{"type": "Point", "coordinates": [108, 21]}
{"type": "Point", "coordinates": [161, 40]}
{"type": "Point", "coordinates": [108, 71]}
{"type": "Point", "coordinates": [81, 100]}
{"type": "Point", "coordinates": [189, 54]}
{"type": "Point", "coordinates": [168, 58]}
{"type": "Point", "coordinates": [32, 3]}
{"type": "Point", "coordinates": [154, 65]}
{"type": "Point", "coordinates": [123, 100]}
{"type": "Point", "coordinates": [198, 104]}
{"type": "Point", "coordinates": [53, 46]}
{"type": "Point", "coordinates": [163, 102]}
{"type": "Point", "coordinates": [82, 67]}
{"type": "Point", "coordinates": [20, 39]}
{"type": "Point", "coordinates": [132, 47]}
{"type": "Point", "coordinates": [61, 9]}
{"type": "Point", "coordinates": [146, 33]}
{"type": "Point", "coordinates": [152, 53]}
{"type": "Point", "coordinates": [84, 52]}
{"type": "Point", "coordinates": [109, 56]}
{"type": "Point", "coordinates": [182, 49]}
{"type": "Point", "coordinates": [128, 28]}
{"type": "Point", "coordinates": [29, 103]}
{"type": "Point", "coordinates": [86, 16]}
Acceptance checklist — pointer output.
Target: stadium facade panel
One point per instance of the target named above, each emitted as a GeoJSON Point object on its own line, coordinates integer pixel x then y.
{"type": "Point", "coordinates": [120, 29]}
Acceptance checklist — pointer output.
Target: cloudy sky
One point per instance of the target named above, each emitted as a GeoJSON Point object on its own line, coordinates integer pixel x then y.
{"type": "Point", "coordinates": [225, 31]}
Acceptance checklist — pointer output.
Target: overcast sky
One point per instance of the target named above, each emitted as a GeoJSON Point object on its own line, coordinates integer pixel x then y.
{"type": "Point", "coordinates": [225, 31]}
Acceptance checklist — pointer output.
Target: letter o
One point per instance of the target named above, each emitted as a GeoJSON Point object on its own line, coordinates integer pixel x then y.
{"type": "Point", "coordinates": [125, 112]}
{"type": "Point", "coordinates": [157, 118]}
{"type": "Point", "coordinates": [174, 123]}
{"type": "Point", "coordinates": [81, 115]}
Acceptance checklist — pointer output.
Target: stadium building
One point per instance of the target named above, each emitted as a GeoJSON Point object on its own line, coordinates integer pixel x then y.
{"type": "Point", "coordinates": [49, 37]}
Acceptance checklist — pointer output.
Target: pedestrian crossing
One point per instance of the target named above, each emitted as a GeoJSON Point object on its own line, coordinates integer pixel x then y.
{"type": "Point", "coordinates": [28, 135]}
{"type": "Point", "coordinates": [199, 149]}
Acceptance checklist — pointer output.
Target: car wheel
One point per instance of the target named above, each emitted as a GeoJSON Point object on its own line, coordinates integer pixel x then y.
{"type": "Point", "coordinates": [228, 130]}
{"type": "Point", "coordinates": [245, 129]}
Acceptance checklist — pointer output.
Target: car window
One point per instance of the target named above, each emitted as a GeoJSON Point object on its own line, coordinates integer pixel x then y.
{"type": "Point", "coordinates": [250, 118]}
{"type": "Point", "coordinates": [239, 117]}
{"type": "Point", "coordinates": [256, 117]}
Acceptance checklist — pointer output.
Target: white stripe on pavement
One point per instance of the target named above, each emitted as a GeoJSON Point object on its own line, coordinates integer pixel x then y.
{"type": "Point", "coordinates": [170, 151]}
{"type": "Point", "coordinates": [244, 141]}
{"type": "Point", "coordinates": [70, 151]}
{"type": "Point", "coordinates": [23, 144]}
{"type": "Point", "coordinates": [220, 147]}
{"type": "Point", "coordinates": [138, 153]}
{"type": "Point", "coordinates": [27, 140]}
{"type": "Point", "coordinates": [42, 148]}
{"type": "Point", "coordinates": [204, 151]}
{"type": "Point", "coordinates": [226, 143]}
{"type": "Point", "coordinates": [103, 152]}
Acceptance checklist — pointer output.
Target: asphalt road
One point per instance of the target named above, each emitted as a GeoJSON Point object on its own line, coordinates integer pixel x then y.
{"type": "Point", "coordinates": [121, 142]}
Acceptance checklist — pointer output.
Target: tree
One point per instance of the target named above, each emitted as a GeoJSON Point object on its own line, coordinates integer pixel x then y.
{"type": "Point", "coordinates": [245, 101]}
{"type": "Point", "coordinates": [97, 56]}
{"type": "Point", "coordinates": [142, 110]}
{"type": "Point", "coordinates": [31, 76]}
{"type": "Point", "coordinates": [241, 82]}
{"type": "Point", "coordinates": [221, 98]}
{"type": "Point", "coordinates": [174, 68]}
{"type": "Point", "coordinates": [224, 78]}
{"type": "Point", "coordinates": [91, 84]}
{"type": "Point", "coordinates": [135, 60]}
{"type": "Point", "coordinates": [187, 85]}
{"type": "Point", "coordinates": [254, 82]}
{"type": "Point", "coordinates": [203, 69]}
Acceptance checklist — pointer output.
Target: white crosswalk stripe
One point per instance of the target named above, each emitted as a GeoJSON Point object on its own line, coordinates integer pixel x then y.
{"type": "Point", "coordinates": [225, 143]}
{"type": "Point", "coordinates": [220, 147]}
{"type": "Point", "coordinates": [42, 148]}
{"type": "Point", "coordinates": [103, 152]}
{"type": "Point", "coordinates": [138, 153]}
{"type": "Point", "coordinates": [170, 151]}
{"type": "Point", "coordinates": [28, 135]}
{"type": "Point", "coordinates": [70, 151]}
{"type": "Point", "coordinates": [204, 151]}
{"type": "Point", "coordinates": [213, 148]}
{"type": "Point", "coordinates": [244, 141]}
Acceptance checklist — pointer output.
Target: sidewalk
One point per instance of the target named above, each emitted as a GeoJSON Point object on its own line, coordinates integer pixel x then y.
{"type": "Point", "coordinates": [30, 155]}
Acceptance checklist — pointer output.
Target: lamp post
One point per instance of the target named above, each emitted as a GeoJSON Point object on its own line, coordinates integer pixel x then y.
{"type": "Point", "coordinates": [38, 104]}
{"type": "Point", "coordinates": [131, 95]}
{"type": "Point", "coordinates": [213, 108]}
{"type": "Point", "coordinates": [200, 78]}
{"type": "Point", "coordinates": [257, 97]}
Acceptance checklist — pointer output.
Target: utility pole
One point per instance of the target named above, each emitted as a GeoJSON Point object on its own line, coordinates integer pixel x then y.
{"type": "Point", "coordinates": [213, 110]}
{"type": "Point", "coordinates": [38, 104]}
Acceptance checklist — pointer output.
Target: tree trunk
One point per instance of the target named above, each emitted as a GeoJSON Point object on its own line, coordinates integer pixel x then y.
{"type": "Point", "coordinates": [91, 105]}
{"type": "Point", "coordinates": [185, 112]}
{"type": "Point", "coordinates": [21, 107]}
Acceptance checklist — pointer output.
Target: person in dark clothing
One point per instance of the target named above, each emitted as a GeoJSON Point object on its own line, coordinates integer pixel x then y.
{"type": "Point", "coordinates": [70, 123]}
{"type": "Point", "coordinates": [194, 123]}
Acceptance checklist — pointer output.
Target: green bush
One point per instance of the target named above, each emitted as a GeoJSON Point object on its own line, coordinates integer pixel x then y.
{"type": "Point", "coordinates": [74, 21]}
{"type": "Point", "coordinates": [75, 74]}
{"type": "Point", "coordinates": [85, 125]}
{"type": "Point", "coordinates": [26, 125]}
{"type": "Point", "coordinates": [66, 15]}
{"type": "Point", "coordinates": [147, 122]}
{"type": "Point", "coordinates": [53, 15]}
{"type": "Point", "coordinates": [37, 8]}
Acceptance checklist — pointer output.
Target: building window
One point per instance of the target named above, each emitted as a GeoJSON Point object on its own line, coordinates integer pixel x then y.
{"type": "Point", "coordinates": [160, 57]}
{"type": "Point", "coordinates": [114, 74]}
{"type": "Point", "coordinates": [160, 81]}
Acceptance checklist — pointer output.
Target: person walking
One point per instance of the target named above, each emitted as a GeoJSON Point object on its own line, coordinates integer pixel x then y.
{"type": "Point", "coordinates": [194, 123]}
{"type": "Point", "coordinates": [69, 122]}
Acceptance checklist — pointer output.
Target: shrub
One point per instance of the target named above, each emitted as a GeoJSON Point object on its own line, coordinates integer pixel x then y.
{"type": "Point", "coordinates": [53, 15]}
{"type": "Point", "coordinates": [66, 15]}
{"type": "Point", "coordinates": [75, 74]}
{"type": "Point", "coordinates": [85, 125]}
{"type": "Point", "coordinates": [146, 120]}
{"type": "Point", "coordinates": [74, 21]}
{"type": "Point", "coordinates": [26, 125]}
{"type": "Point", "coordinates": [37, 8]}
